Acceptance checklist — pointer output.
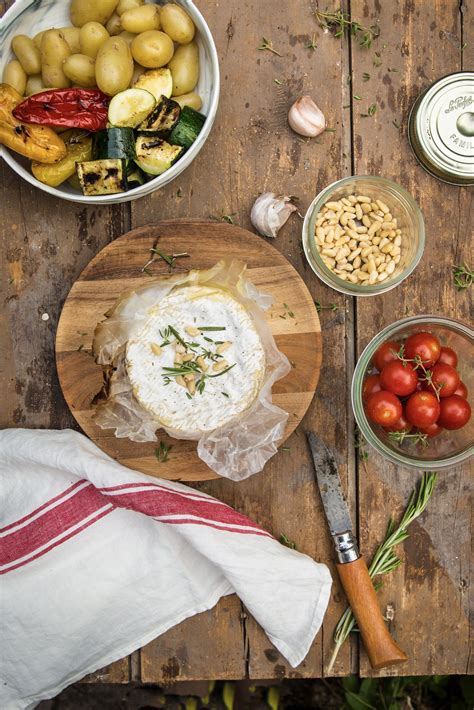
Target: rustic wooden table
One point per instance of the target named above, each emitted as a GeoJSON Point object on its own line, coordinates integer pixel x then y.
{"type": "Point", "coordinates": [46, 243]}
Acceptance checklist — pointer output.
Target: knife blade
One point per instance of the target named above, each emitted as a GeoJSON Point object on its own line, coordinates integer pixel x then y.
{"type": "Point", "coordinates": [380, 646]}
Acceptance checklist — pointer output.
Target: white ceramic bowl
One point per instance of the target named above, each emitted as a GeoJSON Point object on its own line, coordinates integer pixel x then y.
{"type": "Point", "coordinates": [30, 16]}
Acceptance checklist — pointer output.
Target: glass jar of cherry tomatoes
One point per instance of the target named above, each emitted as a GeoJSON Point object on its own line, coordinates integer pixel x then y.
{"type": "Point", "coordinates": [411, 390]}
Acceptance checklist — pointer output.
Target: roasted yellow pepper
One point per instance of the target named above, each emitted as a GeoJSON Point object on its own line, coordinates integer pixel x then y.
{"type": "Point", "coordinates": [79, 149]}
{"type": "Point", "coordinates": [34, 142]}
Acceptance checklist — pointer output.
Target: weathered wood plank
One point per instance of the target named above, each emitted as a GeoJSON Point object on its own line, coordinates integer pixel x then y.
{"type": "Point", "coordinates": [250, 150]}
{"type": "Point", "coordinates": [419, 42]}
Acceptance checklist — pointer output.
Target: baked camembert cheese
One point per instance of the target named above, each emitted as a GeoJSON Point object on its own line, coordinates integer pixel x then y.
{"type": "Point", "coordinates": [198, 362]}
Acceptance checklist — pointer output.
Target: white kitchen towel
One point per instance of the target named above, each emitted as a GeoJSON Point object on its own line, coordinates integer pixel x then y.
{"type": "Point", "coordinates": [96, 560]}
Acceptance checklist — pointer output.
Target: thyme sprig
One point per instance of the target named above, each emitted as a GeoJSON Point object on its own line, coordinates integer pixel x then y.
{"type": "Point", "coordinates": [463, 276]}
{"type": "Point", "coordinates": [162, 451]}
{"type": "Point", "coordinates": [268, 44]}
{"type": "Point", "coordinates": [385, 559]}
{"type": "Point", "coordinates": [169, 259]}
{"type": "Point", "coordinates": [331, 307]}
{"type": "Point", "coordinates": [418, 364]}
{"type": "Point", "coordinates": [339, 22]}
{"type": "Point", "coordinates": [398, 437]}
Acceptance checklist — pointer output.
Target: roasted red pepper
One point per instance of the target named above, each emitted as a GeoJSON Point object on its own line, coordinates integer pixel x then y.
{"type": "Point", "coordinates": [66, 108]}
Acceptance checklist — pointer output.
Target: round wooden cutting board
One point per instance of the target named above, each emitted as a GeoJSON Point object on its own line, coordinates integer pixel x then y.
{"type": "Point", "coordinates": [118, 268]}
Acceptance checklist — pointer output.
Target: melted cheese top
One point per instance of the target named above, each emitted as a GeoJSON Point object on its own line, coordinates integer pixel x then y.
{"type": "Point", "coordinates": [224, 397]}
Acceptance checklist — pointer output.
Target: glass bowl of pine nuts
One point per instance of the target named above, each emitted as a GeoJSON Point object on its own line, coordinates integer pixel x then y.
{"type": "Point", "coordinates": [363, 235]}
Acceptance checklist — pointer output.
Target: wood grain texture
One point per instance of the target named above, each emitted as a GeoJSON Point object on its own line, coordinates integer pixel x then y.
{"type": "Point", "coordinates": [46, 243]}
{"type": "Point", "coordinates": [429, 592]}
{"type": "Point", "coordinates": [117, 269]}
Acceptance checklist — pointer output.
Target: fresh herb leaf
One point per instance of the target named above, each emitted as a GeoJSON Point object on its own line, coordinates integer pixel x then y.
{"type": "Point", "coordinates": [332, 307]}
{"type": "Point", "coordinates": [463, 276]}
{"type": "Point", "coordinates": [312, 44]}
{"type": "Point", "coordinates": [287, 542]}
{"type": "Point", "coordinates": [339, 22]}
{"type": "Point", "coordinates": [204, 328]}
{"type": "Point", "coordinates": [365, 76]}
{"type": "Point", "coordinates": [225, 394]}
{"type": "Point", "coordinates": [278, 81]}
{"type": "Point", "coordinates": [357, 97]}
{"type": "Point", "coordinates": [268, 44]}
{"type": "Point", "coordinates": [162, 451]}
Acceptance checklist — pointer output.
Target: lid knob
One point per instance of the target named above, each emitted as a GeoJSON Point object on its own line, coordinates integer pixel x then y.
{"type": "Point", "coordinates": [465, 123]}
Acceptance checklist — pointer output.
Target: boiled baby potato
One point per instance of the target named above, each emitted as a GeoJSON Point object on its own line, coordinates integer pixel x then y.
{"type": "Point", "coordinates": [125, 5]}
{"type": "Point", "coordinates": [71, 35]}
{"type": "Point", "coordinates": [192, 100]}
{"type": "Point", "coordinates": [34, 84]}
{"type": "Point", "coordinates": [83, 11]}
{"type": "Point", "coordinates": [15, 76]}
{"type": "Point", "coordinates": [92, 36]}
{"type": "Point", "coordinates": [27, 54]}
{"type": "Point", "coordinates": [184, 68]}
{"type": "Point", "coordinates": [152, 49]}
{"type": "Point", "coordinates": [38, 37]}
{"type": "Point", "coordinates": [54, 50]}
{"type": "Point", "coordinates": [141, 19]}
{"type": "Point", "coordinates": [114, 25]}
{"type": "Point", "coordinates": [80, 69]}
{"type": "Point", "coordinates": [114, 66]}
{"type": "Point", "coordinates": [176, 23]}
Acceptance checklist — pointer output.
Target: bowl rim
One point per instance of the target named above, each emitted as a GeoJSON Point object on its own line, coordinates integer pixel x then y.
{"type": "Point", "coordinates": [327, 276]}
{"type": "Point", "coordinates": [19, 7]}
{"type": "Point", "coordinates": [356, 398]}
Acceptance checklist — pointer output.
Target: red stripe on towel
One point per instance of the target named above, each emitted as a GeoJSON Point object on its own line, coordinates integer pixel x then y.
{"type": "Point", "coordinates": [157, 503]}
{"type": "Point", "coordinates": [51, 524]}
{"type": "Point", "coordinates": [58, 542]}
{"type": "Point", "coordinates": [45, 505]}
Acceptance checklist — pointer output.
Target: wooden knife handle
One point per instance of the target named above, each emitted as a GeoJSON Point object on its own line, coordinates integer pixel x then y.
{"type": "Point", "coordinates": [379, 644]}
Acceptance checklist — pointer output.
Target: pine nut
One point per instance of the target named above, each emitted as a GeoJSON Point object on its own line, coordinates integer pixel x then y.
{"type": "Point", "coordinates": [180, 381]}
{"type": "Point", "coordinates": [373, 277]}
{"type": "Point", "coordinates": [363, 198]}
{"type": "Point", "coordinates": [366, 207]}
{"type": "Point", "coordinates": [333, 205]}
{"type": "Point", "coordinates": [363, 275]}
{"type": "Point", "coordinates": [358, 210]}
{"type": "Point", "coordinates": [357, 262]}
{"type": "Point", "coordinates": [192, 330]}
{"type": "Point", "coordinates": [352, 199]}
{"type": "Point", "coordinates": [382, 276]}
{"type": "Point", "coordinates": [397, 241]}
{"type": "Point", "coordinates": [180, 348]}
{"type": "Point", "coordinates": [371, 266]}
{"type": "Point", "coordinates": [352, 243]}
{"type": "Point", "coordinates": [156, 349]}
{"type": "Point", "coordinates": [382, 206]}
{"type": "Point", "coordinates": [353, 255]}
{"type": "Point", "coordinates": [188, 358]}
{"type": "Point", "coordinates": [390, 267]}
{"type": "Point", "coordinates": [329, 252]}
{"type": "Point", "coordinates": [330, 236]}
{"type": "Point", "coordinates": [397, 259]}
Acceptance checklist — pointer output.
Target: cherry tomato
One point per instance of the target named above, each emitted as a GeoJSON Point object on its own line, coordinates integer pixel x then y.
{"type": "Point", "coordinates": [445, 379]}
{"type": "Point", "coordinates": [384, 408]}
{"type": "Point", "coordinates": [399, 377]}
{"type": "Point", "coordinates": [402, 424]}
{"type": "Point", "coordinates": [425, 346]}
{"type": "Point", "coordinates": [432, 430]}
{"type": "Point", "coordinates": [461, 390]}
{"type": "Point", "coordinates": [386, 353]}
{"type": "Point", "coordinates": [448, 355]}
{"type": "Point", "coordinates": [422, 409]}
{"type": "Point", "coordinates": [371, 385]}
{"type": "Point", "coordinates": [455, 412]}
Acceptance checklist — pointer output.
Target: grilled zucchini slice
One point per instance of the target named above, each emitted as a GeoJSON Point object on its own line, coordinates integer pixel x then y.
{"type": "Point", "coordinates": [163, 118]}
{"type": "Point", "coordinates": [155, 155]}
{"type": "Point", "coordinates": [102, 177]}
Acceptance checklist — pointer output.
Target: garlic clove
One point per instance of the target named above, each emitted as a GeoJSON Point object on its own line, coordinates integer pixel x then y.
{"type": "Point", "coordinates": [306, 118]}
{"type": "Point", "coordinates": [270, 212]}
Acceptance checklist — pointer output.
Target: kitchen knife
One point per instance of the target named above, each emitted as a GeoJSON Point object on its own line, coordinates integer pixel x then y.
{"type": "Point", "coordinates": [380, 646]}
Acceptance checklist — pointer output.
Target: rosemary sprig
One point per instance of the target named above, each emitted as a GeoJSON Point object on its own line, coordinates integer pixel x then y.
{"type": "Point", "coordinates": [176, 335]}
{"type": "Point", "coordinates": [312, 44]}
{"type": "Point", "coordinates": [268, 44]}
{"type": "Point", "coordinates": [365, 76]}
{"type": "Point", "coordinates": [463, 276]}
{"type": "Point", "coordinates": [284, 540]}
{"type": "Point", "coordinates": [204, 328]}
{"type": "Point", "coordinates": [162, 451]}
{"type": "Point", "coordinates": [339, 22]}
{"type": "Point", "coordinates": [332, 307]}
{"type": "Point", "coordinates": [385, 559]}
{"type": "Point", "coordinates": [169, 259]}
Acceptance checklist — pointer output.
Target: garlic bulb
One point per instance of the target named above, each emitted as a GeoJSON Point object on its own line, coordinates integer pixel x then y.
{"type": "Point", "coordinates": [306, 118]}
{"type": "Point", "coordinates": [270, 212]}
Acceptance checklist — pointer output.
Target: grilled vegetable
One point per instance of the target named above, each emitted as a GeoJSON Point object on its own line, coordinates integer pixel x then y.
{"type": "Point", "coordinates": [35, 142]}
{"type": "Point", "coordinates": [114, 143]}
{"type": "Point", "coordinates": [158, 82]}
{"type": "Point", "coordinates": [163, 118]}
{"type": "Point", "coordinates": [79, 149]}
{"type": "Point", "coordinates": [135, 176]}
{"type": "Point", "coordinates": [102, 177]}
{"type": "Point", "coordinates": [66, 108]}
{"type": "Point", "coordinates": [130, 107]}
{"type": "Point", "coordinates": [188, 127]}
{"type": "Point", "coordinates": [154, 155]}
